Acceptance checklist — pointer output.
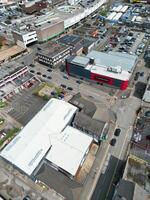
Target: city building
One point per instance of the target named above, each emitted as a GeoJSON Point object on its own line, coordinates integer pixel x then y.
{"type": "Point", "coordinates": [52, 53]}
{"type": "Point", "coordinates": [73, 2]}
{"type": "Point", "coordinates": [74, 41]}
{"type": "Point", "coordinates": [11, 53]}
{"type": "Point", "coordinates": [32, 7]}
{"type": "Point", "coordinates": [49, 29]}
{"type": "Point", "coordinates": [111, 68]}
{"type": "Point", "coordinates": [24, 37]}
{"type": "Point", "coordinates": [54, 22]}
{"type": "Point", "coordinates": [49, 136]}
{"type": "Point", "coordinates": [129, 191]}
{"type": "Point", "coordinates": [146, 96]}
{"type": "Point", "coordinates": [78, 44]}
{"type": "Point", "coordinates": [95, 128]}
{"type": "Point", "coordinates": [13, 78]}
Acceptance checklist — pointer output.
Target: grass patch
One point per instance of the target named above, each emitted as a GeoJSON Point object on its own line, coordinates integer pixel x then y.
{"type": "Point", "coordinates": [103, 11]}
{"type": "Point", "coordinates": [2, 104]}
{"type": "Point", "coordinates": [46, 98]}
{"type": "Point", "coordinates": [9, 135]}
{"type": "Point", "coordinates": [58, 90]}
{"type": "Point", "coordinates": [41, 86]}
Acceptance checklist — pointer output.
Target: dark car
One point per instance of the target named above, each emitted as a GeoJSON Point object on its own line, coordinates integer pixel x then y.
{"type": "Point", "coordinates": [44, 75]}
{"type": "Point", "coordinates": [70, 88]}
{"type": "Point", "coordinates": [136, 78]}
{"type": "Point", "coordinates": [26, 198]}
{"type": "Point", "coordinates": [32, 65]}
{"type": "Point", "coordinates": [141, 73]}
{"type": "Point", "coordinates": [32, 71]}
{"type": "Point", "coordinates": [38, 73]}
{"type": "Point", "coordinates": [62, 85]}
{"type": "Point", "coordinates": [137, 73]}
{"type": "Point", "coordinates": [49, 77]}
{"type": "Point", "coordinates": [79, 82]}
{"type": "Point", "coordinates": [117, 132]}
{"type": "Point", "coordinates": [113, 142]}
{"type": "Point", "coordinates": [49, 70]}
{"type": "Point", "coordinates": [53, 93]}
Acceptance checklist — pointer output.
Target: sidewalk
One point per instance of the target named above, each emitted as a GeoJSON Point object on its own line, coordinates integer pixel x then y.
{"type": "Point", "coordinates": [93, 176]}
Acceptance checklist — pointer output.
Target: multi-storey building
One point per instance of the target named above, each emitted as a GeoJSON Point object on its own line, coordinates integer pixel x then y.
{"type": "Point", "coordinates": [51, 54]}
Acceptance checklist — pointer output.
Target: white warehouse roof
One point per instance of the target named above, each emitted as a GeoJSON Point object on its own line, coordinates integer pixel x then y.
{"type": "Point", "coordinates": [68, 149]}
{"type": "Point", "coordinates": [32, 143]}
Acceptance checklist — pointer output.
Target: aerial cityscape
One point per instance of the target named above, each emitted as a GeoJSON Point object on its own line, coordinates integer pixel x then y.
{"type": "Point", "coordinates": [74, 99]}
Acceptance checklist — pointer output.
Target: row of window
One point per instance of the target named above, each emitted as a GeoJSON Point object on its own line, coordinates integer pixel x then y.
{"type": "Point", "coordinates": [31, 39]}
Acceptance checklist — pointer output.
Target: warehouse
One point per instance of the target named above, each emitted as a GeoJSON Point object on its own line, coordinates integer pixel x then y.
{"type": "Point", "coordinates": [111, 68]}
{"type": "Point", "coordinates": [48, 134]}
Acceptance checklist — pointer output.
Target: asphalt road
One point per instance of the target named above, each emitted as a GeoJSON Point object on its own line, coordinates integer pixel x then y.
{"type": "Point", "coordinates": [85, 88]}
{"type": "Point", "coordinates": [125, 110]}
{"type": "Point", "coordinates": [101, 190]}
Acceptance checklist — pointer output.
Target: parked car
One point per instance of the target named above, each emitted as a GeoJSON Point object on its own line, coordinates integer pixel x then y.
{"type": "Point", "coordinates": [53, 93]}
{"type": "Point", "coordinates": [44, 75]}
{"type": "Point", "coordinates": [141, 73]}
{"type": "Point", "coordinates": [32, 65]}
{"type": "Point", "coordinates": [49, 77]}
{"type": "Point", "coordinates": [62, 85]}
{"type": "Point", "coordinates": [136, 78]}
{"type": "Point", "coordinates": [79, 82]}
{"type": "Point", "coordinates": [49, 70]}
{"type": "Point", "coordinates": [32, 71]}
{"type": "Point", "coordinates": [117, 132]}
{"type": "Point", "coordinates": [65, 76]}
{"type": "Point", "coordinates": [38, 73]}
{"type": "Point", "coordinates": [113, 142]}
{"type": "Point", "coordinates": [26, 198]}
{"type": "Point", "coordinates": [70, 88]}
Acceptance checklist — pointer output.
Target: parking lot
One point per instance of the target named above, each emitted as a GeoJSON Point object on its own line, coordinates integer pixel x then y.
{"type": "Point", "coordinates": [24, 106]}
{"type": "Point", "coordinates": [127, 41]}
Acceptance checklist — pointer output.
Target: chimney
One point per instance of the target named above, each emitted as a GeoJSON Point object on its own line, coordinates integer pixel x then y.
{"type": "Point", "coordinates": [91, 61]}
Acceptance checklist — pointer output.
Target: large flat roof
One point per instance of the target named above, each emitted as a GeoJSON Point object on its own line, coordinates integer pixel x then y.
{"type": "Point", "coordinates": [126, 61]}
{"type": "Point", "coordinates": [28, 148]}
{"type": "Point", "coordinates": [52, 49]}
{"type": "Point", "coordinates": [69, 149]}
{"type": "Point", "coordinates": [10, 52]}
{"type": "Point", "coordinates": [48, 136]}
{"type": "Point", "coordinates": [123, 62]}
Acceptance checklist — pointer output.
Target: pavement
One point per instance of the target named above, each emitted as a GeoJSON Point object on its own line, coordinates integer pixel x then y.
{"type": "Point", "coordinates": [24, 106]}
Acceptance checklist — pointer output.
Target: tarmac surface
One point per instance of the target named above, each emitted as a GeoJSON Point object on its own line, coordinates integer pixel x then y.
{"type": "Point", "coordinates": [24, 106]}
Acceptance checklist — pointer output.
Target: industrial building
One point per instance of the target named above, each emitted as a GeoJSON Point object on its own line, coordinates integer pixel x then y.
{"type": "Point", "coordinates": [49, 138]}
{"type": "Point", "coordinates": [51, 53]}
{"type": "Point", "coordinates": [111, 68]}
